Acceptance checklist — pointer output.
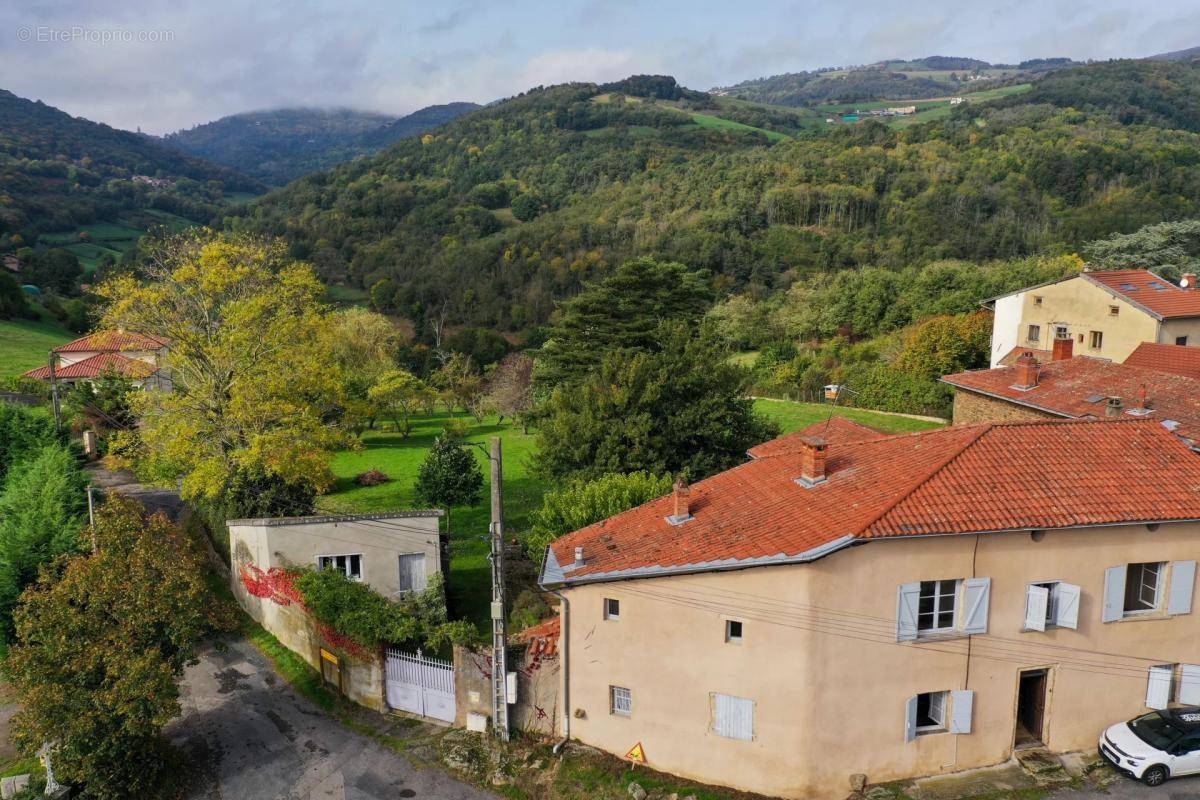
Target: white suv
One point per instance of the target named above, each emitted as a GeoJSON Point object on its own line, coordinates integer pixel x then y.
{"type": "Point", "coordinates": [1155, 746]}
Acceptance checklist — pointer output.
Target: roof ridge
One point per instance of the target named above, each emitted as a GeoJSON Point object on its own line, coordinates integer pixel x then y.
{"type": "Point", "coordinates": [899, 498]}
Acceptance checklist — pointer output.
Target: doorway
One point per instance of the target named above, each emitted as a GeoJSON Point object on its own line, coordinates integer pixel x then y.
{"type": "Point", "coordinates": [1031, 708]}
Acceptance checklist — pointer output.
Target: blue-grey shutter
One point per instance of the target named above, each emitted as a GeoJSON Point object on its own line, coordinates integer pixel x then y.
{"type": "Point", "coordinates": [1066, 605]}
{"type": "Point", "coordinates": [910, 719]}
{"type": "Point", "coordinates": [1037, 600]}
{"type": "Point", "coordinates": [1189, 684]}
{"type": "Point", "coordinates": [961, 706]}
{"type": "Point", "coordinates": [733, 717]}
{"type": "Point", "coordinates": [1114, 593]}
{"type": "Point", "coordinates": [976, 598]}
{"type": "Point", "coordinates": [908, 598]}
{"type": "Point", "coordinates": [1183, 578]}
{"type": "Point", "coordinates": [1158, 686]}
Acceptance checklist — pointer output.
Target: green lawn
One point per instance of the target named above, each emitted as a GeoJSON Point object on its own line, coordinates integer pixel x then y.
{"type": "Point", "coordinates": [793, 416]}
{"type": "Point", "coordinates": [26, 343]}
{"type": "Point", "coordinates": [722, 124]}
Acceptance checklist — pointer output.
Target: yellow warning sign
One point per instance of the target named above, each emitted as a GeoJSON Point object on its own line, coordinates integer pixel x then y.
{"type": "Point", "coordinates": [637, 754]}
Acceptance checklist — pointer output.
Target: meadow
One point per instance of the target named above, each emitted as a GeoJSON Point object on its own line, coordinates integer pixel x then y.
{"type": "Point", "coordinates": [26, 343]}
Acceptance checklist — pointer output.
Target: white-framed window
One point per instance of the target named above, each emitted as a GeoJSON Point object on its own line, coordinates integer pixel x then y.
{"type": "Point", "coordinates": [1097, 340]}
{"type": "Point", "coordinates": [1051, 604]}
{"type": "Point", "coordinates": [1181, 341]}
{"type": "Point", "coordinates": [931, 712]}
{"type": "Point", "coordinates": [350, 565]}
{"type": "Point", "coordinates": [939, 712]}
{"type": "Point", "coordinates": [1035, 333]}
{"type": "Point", "coordinates": [620, 701]}
{"type": "Point", "coordinates": [1143, 587]}
{"type": "Point", "coordinates": [936, 606]}
{"type": "Point", "coordinates": [612, 608]}
{"type": "Point", "coordinates": [1060, 332]}
{"type": "Point", "coordinates": [732, 717]}
{"type": "Point", "coordinates": [733, 631]}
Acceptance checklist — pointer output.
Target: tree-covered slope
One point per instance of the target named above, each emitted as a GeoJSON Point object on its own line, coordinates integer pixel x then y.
{"type": "Point", "coordinates": [58, 172]}
{"type": "Point", "coordinates": [281, 145]}
{"type": "Point", "coordinates": [495, 215]}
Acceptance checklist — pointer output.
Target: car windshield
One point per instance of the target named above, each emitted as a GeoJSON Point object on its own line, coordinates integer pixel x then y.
{"type": "Point", "coordinates": [1155, 730]}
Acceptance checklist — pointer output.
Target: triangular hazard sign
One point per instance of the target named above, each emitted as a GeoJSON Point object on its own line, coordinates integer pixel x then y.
{"type": "Point", "coordinates": [636, 753]}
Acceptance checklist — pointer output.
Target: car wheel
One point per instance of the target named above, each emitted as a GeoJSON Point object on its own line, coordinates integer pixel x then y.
{"type": "Point", "coordinates": [1155, 776]}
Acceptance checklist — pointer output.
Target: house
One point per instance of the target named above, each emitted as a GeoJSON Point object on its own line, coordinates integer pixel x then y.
{"type": "Point", "coordinates": [1107, 313]}
{"type": "Point", "coordinates": [900, 606]}
{"type": "Point", "coordinates": [1182, 360]}
{"type": "Point", "coordinates": [134, 355]}
{"type": "Point", "coordinates": [395, 554]}
{"type": "Point", "coordinates": [1077, 387]}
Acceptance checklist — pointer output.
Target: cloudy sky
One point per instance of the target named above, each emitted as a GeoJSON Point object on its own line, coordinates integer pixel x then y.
{"type": "Point", "coordinates": [169, 64]}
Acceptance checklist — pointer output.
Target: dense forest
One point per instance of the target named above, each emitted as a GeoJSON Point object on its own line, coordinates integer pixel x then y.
{"type": "Point", "coordinates": [491, 218]}
{"type": "Point", "coordinates": [282, 145]}
{"type": "Point", "coordinates": [58, 172]}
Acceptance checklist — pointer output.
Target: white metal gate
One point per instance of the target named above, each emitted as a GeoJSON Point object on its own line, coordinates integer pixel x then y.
{"type": "Point", "coordinates": [420, 685]}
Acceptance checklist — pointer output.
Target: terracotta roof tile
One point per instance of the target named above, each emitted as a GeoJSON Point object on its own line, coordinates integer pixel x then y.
{"type": "Point", "coordinates": [1174, 358]}
{"type": "Point", "coordinates": [1150, 291]}
{"type": "Point", "coordinates": [1017, 352]}
{"type": "Point", "coordinates": [1078, 388]}
{"type": "Point", "coordinates": [967, 479]}
{"type": "Point", "coordinates": [93, 366]}
{"type": "Point", "coordinates": [112, 341]}
{"type": "Point", "coordinates": [837, 429]}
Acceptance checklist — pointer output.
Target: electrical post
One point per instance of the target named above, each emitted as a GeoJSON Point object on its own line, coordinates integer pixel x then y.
{"type": "Point", "coordinates": [499, 632]}
{"type": "Point", "coordinates": [54, 391]}
{"type": "Point", "coordinates": [92, 515]}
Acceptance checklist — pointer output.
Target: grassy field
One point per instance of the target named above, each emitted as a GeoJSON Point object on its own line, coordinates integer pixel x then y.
{"type": "Point", "coordinates": [722, 124]}
{"type": "Point", "coordinates": [793, 416]}
{"type": "Point", "coordinates": [25, 343]}
{"type": "Point", "coordinates": [111, 238]}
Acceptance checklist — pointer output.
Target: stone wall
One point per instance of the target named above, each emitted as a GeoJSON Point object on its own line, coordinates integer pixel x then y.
{"type": "Point", "coordinates": [538, 683]}
{"type": "Point", "coordinates": [971, 408]}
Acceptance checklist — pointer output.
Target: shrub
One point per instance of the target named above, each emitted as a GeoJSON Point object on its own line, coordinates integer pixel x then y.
{"type": "Point", "coordinates": [579, 503]}
{"type": "Point", "coordinates": [24, 431]}
{"type": "Point", "coordinates": [372, 477]}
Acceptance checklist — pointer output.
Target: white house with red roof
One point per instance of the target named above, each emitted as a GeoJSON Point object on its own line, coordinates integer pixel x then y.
{"type": "Point", "coordinates": [134, 355]}
{"type": "Point", "coordinates": [894, 606]}
{"type": "Point", "coordinates": [1106, 313]}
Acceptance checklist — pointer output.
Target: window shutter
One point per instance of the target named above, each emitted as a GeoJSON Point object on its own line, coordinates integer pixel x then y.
{"type": "Point", "coordinates": [976, 598]}
{"type": "Point", "coordinates": [1066, 609]}
{"type": "Point", "coordinates": [910, 720]}
{"type": "Point", "coordinates": [1158, 687]}
{"type": "Point", "coordinates": [1189, 684]}
{"type": "Point", "coordinates": [961, 706]}
{"type": "Point", "coordinates": [1183, 577]}
{"type": "Point", "coordinates": [1037, 600]}
{"type": "Point", "coordinates": [908, 597]}
{"type": "Point", "coordinates": [1114, 593]}
{"type": "Point", "coordinates": [733, 717]}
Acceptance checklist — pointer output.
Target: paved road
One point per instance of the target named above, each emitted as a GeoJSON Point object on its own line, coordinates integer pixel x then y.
{"type": "Point", "coordinates": [1128, 789]}
{"type": "Point", "coordinates": [253, 738]}
{"type": "Point", "coordinates": [122, 481]}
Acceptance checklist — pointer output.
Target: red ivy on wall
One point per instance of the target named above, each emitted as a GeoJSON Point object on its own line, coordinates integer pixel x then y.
{"type": "Point", "coordinates": [279, 586]}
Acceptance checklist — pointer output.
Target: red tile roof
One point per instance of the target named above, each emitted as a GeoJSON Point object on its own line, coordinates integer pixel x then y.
{"type": "Point", "coordinates": [1078, 387]}
{"type": "Point", "coordinates": [542, 638]}
{"type": "Point", "coordinates": [969, 479]}
{"type": "Point", "coordinates": [93, 366]}
{"type": "Point", "coordinates": [1016, 352]}
{"type": "Point", "coordinates": [1167, 358]}
{"type": "Point", "coordinates": [112, 341]}
{"type": "Point", "coordinates": [1152, 292]}
{"type": "Point", "coordinates": [837, 429]}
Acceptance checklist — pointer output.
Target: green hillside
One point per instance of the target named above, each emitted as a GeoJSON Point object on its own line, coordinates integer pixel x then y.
{"type": "Point", "coordinates": [25, 344]}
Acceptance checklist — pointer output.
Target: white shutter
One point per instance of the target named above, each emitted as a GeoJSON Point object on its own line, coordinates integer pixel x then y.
{"type": "Point", "coordinates": [976, 599]}
{"type": "Point", "coordinates": [1066, 605]}
{"type": "Point", "coordinates": [733, 717]}
{"type": "Point", "coordinates": [1189, 684]}
{"type": "Point", "coordinates": [961, 705]}
{"type": "Point", "coordinates": [1037, 600]}
{"type": "Point", "coordinates": [1158, 686]}
{"type": "Point", "coordinates": [1183, 578]}
{"type": "Point", "coordinates": [1114, 593]}
{"type": "Point", "coordinates": [908, 598]}
{"type": "Point", "coordinates": [910, 720]}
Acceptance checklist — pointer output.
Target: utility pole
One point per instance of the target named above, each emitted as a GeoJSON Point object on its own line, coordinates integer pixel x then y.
{"type": "Point", "coordinates": [499, 633]}
{"type": "Point", "coordinates": [54, 391]}
{"type": "Point", "coordinates": [92, 515]}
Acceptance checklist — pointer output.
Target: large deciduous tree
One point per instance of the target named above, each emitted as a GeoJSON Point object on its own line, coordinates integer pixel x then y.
{"type": "Point", "coordinates": [510, 388]}
{"type": "Point", "coordinates": [102, 640]}
{"type": "Point", "coordinates": [679, 410]}
{"type": "Point", "coordinates": [398, 394]}
{"type": "Point", "coordinates": [255, 384]}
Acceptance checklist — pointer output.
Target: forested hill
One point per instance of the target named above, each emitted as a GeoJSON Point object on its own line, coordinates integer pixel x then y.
{"type": "Point", "coordinates": [58, 172]}
{"type": "Point", "coordinates": [498, 213]}
{"type": "Point", "coordinates": [281, 145]}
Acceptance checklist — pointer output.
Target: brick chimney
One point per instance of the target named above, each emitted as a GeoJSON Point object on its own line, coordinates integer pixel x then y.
{"type": "Point", "coordinates": [812, 461]}
{"type": "Point", "coordinates": [1189, 280]}
{"type": "Point", "coordinates": [1063, 348]}
{"type": "Point", "coordinates": [1113, 407]}
{"type": "Point", "coordinates": [683, 503]}
{"type": "Point", "coordinates": [1027, 370]}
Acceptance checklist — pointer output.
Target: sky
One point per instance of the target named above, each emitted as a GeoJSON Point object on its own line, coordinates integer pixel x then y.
{"type": "Point", "coordinates": [163, 65]}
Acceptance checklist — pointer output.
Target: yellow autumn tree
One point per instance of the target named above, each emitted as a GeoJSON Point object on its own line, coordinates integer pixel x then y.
{"type": "Point", "coordinates": [255, 387]}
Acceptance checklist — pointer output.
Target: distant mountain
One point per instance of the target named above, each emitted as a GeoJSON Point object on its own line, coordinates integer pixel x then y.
{"type": "Point", "coordinates": [282, 145]}
{"type": "Point", "coordinates": [915, 79]}
{"type": "Point", "coordinates": [58, 172]}
{"type": "Point", "coordinates": [1178, 55]}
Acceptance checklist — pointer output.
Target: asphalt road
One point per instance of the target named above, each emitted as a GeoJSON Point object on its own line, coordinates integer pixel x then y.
{"type": "Point", "coordinates": [1128, 789]}
{"type": "Point", "coordinates": [252, 737]}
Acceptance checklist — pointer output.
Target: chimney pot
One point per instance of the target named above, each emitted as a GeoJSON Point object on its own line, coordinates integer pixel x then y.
{"type": "Point", "coordinates": [1113, 407]}
{"type": "Point", "coordinates": [1064, 347]}
{"type": "Point", "coordinates": [812, 460]}
{"type": "Point", "coordinates": [1027, 371]}
{"type": "Point", "coordinates": [579, 556]}
{"type": "Point", "coordinates": [683, 503]}
{"type": "Point", "coordinates": [1189, 280]}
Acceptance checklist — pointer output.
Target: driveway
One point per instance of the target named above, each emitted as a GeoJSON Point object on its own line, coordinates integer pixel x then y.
{"type": "Point", "coordinates": [253, 738]}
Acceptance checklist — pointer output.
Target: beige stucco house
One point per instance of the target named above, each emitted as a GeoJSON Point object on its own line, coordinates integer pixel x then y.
{"type": "Point", "coordinates": [1106, 313]}
{"type": "Point", "coordinates": [896, 606]}
{"type": "Point", "coordinates": [133, 355]}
